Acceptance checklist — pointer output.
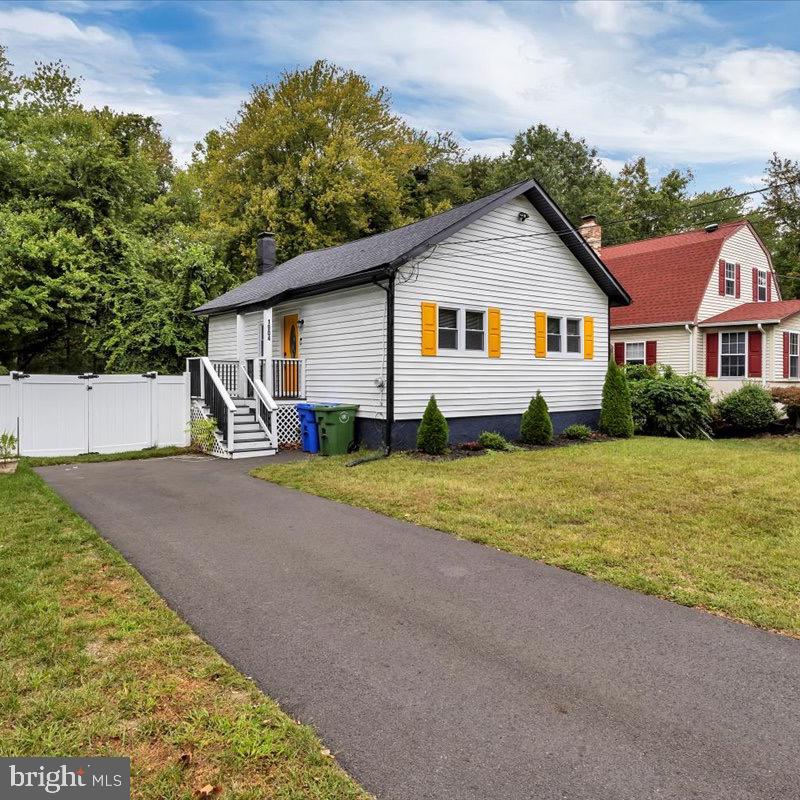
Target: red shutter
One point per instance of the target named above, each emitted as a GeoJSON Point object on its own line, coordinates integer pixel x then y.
{"type": "Point", "coordinates": [769, 287]}
{"type": "Point", "coordinates": [712, 354]}
{"type": "Point", "coordinates": [650, 352]}
{"type": "Point", "coordinates": [785, 355]}
{"type": "Point", "coordinates": [754, 354]}
{"type": "Point", "coordinates": [619, 352]}
{"type": "Point", "coordinates": [755, 285]}
{"type": "Point", "coordinates": [722, 276]}
{"type": "Point", "coordinates": [738, 281]}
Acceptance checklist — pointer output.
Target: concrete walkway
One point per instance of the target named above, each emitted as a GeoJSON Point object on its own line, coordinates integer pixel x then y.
{"type": "Point", "coordinates": [436, 668]}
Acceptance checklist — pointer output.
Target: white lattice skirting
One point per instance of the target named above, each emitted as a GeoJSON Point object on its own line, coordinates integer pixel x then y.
{"type": "Point", "coordinates": [288, 424]}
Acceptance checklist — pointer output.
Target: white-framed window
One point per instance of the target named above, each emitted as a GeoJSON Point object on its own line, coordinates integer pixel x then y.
{"type": "Point", "coordinates": [462, 329]}
{"type": "Point", "coordinates": [794, 355]}
{"type": "Point", "coordinates": [733, 354]}
{"type": "Point", "coordinates": [634, 352]}
{"type": "Point", "coordinates": [730, 279]}
{"type": "Point", "coordinates": [448, 328]}
{"type": "Point", "coordinates": [565, 335]}
{"type": "Point", "coordinates": [762, 286]}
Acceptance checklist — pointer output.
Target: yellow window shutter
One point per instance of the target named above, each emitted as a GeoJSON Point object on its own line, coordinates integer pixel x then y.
{"type": "Point", "coordinates": [428, 311]}
{"type": "Point", "coordinates": [541, 334]}
{"type": "Point", "coordinates": [588, 337]}
{"type": "Point", "coordinates": [494, 332]}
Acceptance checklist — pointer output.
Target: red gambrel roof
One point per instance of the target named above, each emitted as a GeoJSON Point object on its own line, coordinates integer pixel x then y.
{"type": "Point", "coordinates": [666, 277]}
{"type": "Point", "coordinates": [756, 312]}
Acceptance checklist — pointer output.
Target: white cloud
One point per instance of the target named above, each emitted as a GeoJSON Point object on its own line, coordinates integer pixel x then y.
{"type": "Point", "coordinates": [120, 71]}
{"type": "Point", "coordinates": [656, 79]}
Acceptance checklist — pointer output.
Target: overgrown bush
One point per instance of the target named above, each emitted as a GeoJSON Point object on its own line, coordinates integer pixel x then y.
{"type": "Point", "coordinates": [789, 397]}
{"type": "Point", "coordinates": [536, 426]}
{"type": "Point", "coordinates": [432, 434]}
{"type": "Point", "coordinates": [494, 441]}
{"type": "Point", "coordinates": [201, 434]}
{"type": "Point", "coordinates": [664, 403]}
{"type": "Point", "coordinates": [750, 409]}
{"type": "Point", "coordinates": [640, 372]}
{"type": "Point", "coordinates": [577, 431]}
{"type": "Point", "coordinates": [3, 370]}
{"type": "Point", "coordinates": [8, 446]}
{"type": "Point", "coordinates": [615, 414]}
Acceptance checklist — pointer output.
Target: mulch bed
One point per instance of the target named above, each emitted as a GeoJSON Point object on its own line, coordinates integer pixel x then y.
{"type": "Point", "coordinates": [470, 449]}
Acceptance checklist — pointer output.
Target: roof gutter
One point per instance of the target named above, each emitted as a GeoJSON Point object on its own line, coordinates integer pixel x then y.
{"type": "Point", "coordinates": [758, 322]}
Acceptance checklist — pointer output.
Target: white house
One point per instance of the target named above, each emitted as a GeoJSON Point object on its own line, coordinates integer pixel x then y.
{"type": "Point", "coordinates": [481, 305]}
{"type": "Point", "coordinates": [706, 302]}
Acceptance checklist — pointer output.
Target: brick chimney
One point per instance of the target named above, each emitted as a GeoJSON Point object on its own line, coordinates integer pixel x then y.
{"type": "Point", "coordinates": [591, 232]}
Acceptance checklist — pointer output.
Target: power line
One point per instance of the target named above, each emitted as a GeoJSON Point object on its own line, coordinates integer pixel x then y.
{"type": "Point", "coordinates": [623, 221]}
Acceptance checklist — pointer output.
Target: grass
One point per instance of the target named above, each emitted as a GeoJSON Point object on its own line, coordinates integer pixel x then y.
{"type": "Point", "coordinates": [92, 662]}
{"type": "Point", "coordinates": [89, 458]}
{"type": "Point", "coordinates": [708, 524]}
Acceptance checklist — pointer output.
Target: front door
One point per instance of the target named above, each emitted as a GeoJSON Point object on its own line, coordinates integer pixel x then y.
{"type": "Point", "coordinates": [291, 349]}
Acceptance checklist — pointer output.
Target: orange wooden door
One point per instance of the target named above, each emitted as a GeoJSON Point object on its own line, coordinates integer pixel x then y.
{"type": "Point", "coordinates": [291, 349]}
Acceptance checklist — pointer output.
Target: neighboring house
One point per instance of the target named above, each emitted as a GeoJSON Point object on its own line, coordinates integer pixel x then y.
{"type": "Point", "coordinates": [705, 302]}
{"type": "Point", "coordinates": [481, 305]}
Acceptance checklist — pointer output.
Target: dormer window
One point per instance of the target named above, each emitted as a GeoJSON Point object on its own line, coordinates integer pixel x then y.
{"type": "Point", "coordinates": [762, 286]}
{"type": "Point", "coordinates": [730, 279]}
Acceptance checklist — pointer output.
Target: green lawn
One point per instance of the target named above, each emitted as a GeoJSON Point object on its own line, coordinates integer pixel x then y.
{"type": "Point", "coordinates": [92, 662]}
{"type": "Point", "coordinates": [709, 524]}
{"type": "Point", "coordinates": [90, 458]}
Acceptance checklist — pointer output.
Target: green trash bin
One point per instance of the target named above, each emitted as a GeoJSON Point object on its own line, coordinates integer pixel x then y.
{"type": "Point", "coordinates": [336, 424]}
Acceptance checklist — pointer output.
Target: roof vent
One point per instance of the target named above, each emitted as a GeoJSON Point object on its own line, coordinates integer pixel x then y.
{"type": "Point", "coordinates": [711, 228]}
{"type": "Point", "coordinates": [265, 251]}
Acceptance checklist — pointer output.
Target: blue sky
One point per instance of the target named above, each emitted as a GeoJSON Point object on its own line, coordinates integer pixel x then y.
{"type": "Point", "coordinates": [714, 87]}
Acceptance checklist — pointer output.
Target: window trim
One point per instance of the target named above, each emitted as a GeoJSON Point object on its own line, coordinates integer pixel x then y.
{"type": "Point", "coordinates": [795, 356]}
{"type": "Point", "coordinates": [644, 353]}
{"type": "Point", "coordinates": [744, 376]}
{"type": "Point", "coordinates": [564, 318]}
{"type": "Point", "coordinates": [761, 273]}
{"type": "Point", "coordinates": [732, 266]}
{"type": "Point", "coordinates": [461, 310]}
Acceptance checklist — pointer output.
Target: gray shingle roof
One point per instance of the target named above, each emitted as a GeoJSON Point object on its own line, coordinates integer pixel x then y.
{"type": "Point", "coordinates": [363, 257]}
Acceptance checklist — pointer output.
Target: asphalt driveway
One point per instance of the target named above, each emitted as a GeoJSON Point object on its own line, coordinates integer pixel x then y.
{"type": "Point", "coordinates": [436, 668]}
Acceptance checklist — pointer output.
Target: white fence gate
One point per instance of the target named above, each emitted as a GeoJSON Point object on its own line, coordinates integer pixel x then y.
{"type": "Point", "coordinates": [56, 415]}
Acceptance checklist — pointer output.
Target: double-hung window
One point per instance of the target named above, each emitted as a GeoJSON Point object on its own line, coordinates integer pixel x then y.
{"type": "Point", "coordinates": [732, 354]}
{"type": "Point", "coordinates": [462, 329]}
{"type": "Point", "coordinates": [634, 352]}
{"type": "Point", "coordinates": [564, 335]}
{"type": "Point", "coordinates": [730, 279]}
{"type": "Point", "coordinates": [794, 355]}
{"type": "Point", "coordinates": [762, 286]}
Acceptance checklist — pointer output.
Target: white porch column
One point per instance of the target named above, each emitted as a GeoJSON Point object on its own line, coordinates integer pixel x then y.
{"type": "Point", "coordinates": [239, 351]}
{"type": "Point", "coordinates": [266, 338]}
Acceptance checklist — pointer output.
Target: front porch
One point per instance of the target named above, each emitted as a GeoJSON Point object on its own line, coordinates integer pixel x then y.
{"type": "Point", "coordinates": [252, 401]}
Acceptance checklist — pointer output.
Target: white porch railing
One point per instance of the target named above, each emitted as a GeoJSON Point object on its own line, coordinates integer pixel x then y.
{"type": "Point", "coordinates": [288, 378]}
{"type": "Point", "coordinates": [266, 407]}
{"type": "Point", "coordinates": [205, 383]}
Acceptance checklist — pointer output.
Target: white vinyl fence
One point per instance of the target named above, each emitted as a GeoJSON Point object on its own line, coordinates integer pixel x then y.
{"type": "Point", "coordinates": [56, 415]}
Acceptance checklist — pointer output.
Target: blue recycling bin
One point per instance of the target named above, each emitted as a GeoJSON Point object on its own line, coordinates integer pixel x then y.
{"type": "Point", "coordinates": [309, 433]}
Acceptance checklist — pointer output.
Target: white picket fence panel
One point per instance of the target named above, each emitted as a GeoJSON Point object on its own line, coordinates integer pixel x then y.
{"type": "Point", "coordinates": [57, 415]}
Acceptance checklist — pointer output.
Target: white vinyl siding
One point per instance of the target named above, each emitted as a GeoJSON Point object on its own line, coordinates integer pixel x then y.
{"type": "Point", "coordinates": [222, 337]}
{"type": "Point", "coordinates": [343, 343]}
{"type": "Point", "coordinates": [519, 277]}
{"type": "Point", "coordinates": [741, 248]}
{"type": "Point", "coordinates": [673, 344]}
{"type": "Point", "coordinates": [789, 325]}
{"type": "Point", "coordinates": [252, 334]}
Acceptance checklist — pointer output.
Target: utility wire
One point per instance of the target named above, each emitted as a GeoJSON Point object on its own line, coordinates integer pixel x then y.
{"type": "Point", "coordinates": [653, 218]}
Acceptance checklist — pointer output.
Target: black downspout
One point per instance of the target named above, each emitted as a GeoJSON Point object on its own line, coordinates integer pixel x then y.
{"type": "Point", "coordinates": [389, 361]}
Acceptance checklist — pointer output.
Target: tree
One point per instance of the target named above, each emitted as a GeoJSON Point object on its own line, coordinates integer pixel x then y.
{"type": "Point", "coordinates": [778, 221]}
{"type": "Point", "coordinates": [432, 433]}
{"type": "Point", "coordinates": [319, 158]}
{"type": "Point", "coordinates": [99, 262]}
{"type": "Point", "coordinates": [536, 426]}
{"type": "Point", "coordinates": [616, 417]}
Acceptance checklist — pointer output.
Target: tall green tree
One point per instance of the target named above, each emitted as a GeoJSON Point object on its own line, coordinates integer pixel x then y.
{"type": "Point", "coordinates": [319, 158]}
{"type": "Point", "coordinates": [88, 229]}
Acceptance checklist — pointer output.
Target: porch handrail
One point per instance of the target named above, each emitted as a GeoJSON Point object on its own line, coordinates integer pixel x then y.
{"type": "Point", "coordinates": [220, 402]}
{"type": "Point", "coordinates": [266, 407]}
{"type": "Point", "coordinates": [289, 378]}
